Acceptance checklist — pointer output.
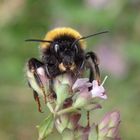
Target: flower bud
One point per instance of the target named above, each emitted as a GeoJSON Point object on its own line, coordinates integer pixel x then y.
{"type": "Point", "coordinates": [108, 127]}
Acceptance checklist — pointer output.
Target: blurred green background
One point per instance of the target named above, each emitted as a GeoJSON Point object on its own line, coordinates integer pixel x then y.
{"type": "Point", "coordinates": [119, 53]}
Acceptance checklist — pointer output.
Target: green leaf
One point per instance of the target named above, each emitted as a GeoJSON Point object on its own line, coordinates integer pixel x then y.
{"type": "Point", "coordinates": [62, 88]}
{"type": "Point", "coordinates": [46, 127]}
{"type": "Point", "coordinates": [62, 92]}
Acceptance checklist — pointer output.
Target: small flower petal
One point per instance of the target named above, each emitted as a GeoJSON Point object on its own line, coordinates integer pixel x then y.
{"type": "Point", "coordinates": [81, 83]}
{"type": "Point", "coordinates": [98, 91]}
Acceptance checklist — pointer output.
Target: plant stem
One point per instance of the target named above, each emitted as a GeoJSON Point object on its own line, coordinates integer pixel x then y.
{"type": "Point", "coordinates": [66, 110]}
{"type": "Point", "coordinates": [50, 107]}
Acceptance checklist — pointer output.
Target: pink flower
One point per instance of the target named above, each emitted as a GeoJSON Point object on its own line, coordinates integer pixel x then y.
{"type": "Point", "coordinates": [84, 95]}
{"type": "Point", "coordinates": [82, 85]}
{"type": "Point", "coordinates": [98, 90]}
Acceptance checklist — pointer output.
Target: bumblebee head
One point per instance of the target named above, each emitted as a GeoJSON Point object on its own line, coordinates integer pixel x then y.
{"type": "Point", "coordinates": [64, 46]}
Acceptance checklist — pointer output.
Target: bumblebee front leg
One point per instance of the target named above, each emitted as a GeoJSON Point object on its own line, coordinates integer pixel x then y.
{"type": "Point", "coordinates": [36, 79]}
{"type": "Point", "coordinates": [95, 61]}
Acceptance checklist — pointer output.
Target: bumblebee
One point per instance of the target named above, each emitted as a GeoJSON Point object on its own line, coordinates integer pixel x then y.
{"type": "Point", "coordinates": [62, 51]}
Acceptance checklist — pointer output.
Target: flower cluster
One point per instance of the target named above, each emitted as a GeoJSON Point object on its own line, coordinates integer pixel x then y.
{"type": "Point", "coordinates": [74, 98]}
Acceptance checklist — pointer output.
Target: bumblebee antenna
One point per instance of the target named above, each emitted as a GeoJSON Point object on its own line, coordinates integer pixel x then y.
{"type": "Point", "coordinates": [38, 40]}
{"type": "Point", "coordinates": [85, 37]}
